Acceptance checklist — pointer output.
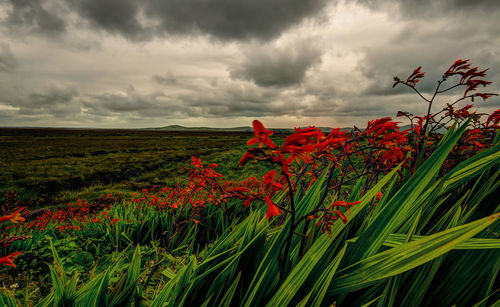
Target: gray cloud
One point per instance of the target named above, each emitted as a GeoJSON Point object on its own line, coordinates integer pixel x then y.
{"type": "Point", "coordinates": [8, 61]}
{"type": "Point", "coordinates": [32, 16]}
{"type": "Point", "coordinates": [142, 20]}
{"type": "Point", "coordinates": [278, 66]}
{"type": "Point", "coordinates": [54, 101]}
{"type": "Point", "coordinates": [435, 44]}
{"type": "Point", "coordinates": [225, 62]}
{"type": "Point", "coordinates": [113, 16]}
{"type": "Point", "coordinates": [232, 19]}
{"type": "Point", "coordinates": [430, 9]}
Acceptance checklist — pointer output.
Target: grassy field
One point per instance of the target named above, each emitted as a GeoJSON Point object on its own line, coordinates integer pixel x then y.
{"type": "Point", "coordinates": [313, 223]}
{"type": "Point", "coordinates": [50, 167]}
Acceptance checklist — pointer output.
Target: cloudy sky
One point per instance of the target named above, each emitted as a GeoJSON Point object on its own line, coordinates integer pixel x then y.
{"type": "Point", "coordinates": [223, 63]}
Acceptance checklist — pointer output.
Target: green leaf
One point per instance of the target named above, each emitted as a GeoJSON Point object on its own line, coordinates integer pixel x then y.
{"type": "Point", "coordinates": [404, 257]}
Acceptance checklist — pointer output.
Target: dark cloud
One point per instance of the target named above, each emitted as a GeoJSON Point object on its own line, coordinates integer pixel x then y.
{"type": "Point", "coordinates": [422, 9]}
{"type": "Point", "coordinates": [434, 45]}
{"type": "Point", "coordinates": [54, 101]}
{"type": "Point", "coordinates": [141, 20]}
{"type": "Point", "coordinates": [106, 104]}
{"type": "Point", "coordinates": [32, 16]}
{"type": "Point", "coordinates": [232, 19]}
{"type": "Point", "coordinates": [113, 16]}
{"type": "Point", "coordinates": [8, 62]}
{"type": "Point", "coordinates": [199, 61]}
{"type": "Point", "coordinates": [229, 100]}
{"type": "Point", "coordinates": [278, 66]}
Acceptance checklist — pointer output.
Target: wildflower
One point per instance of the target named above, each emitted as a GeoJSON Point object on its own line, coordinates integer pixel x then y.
{"type": "Point", "coordinates": [484, 95]}
{"type": "Point", "coordinates": [345, 204]}
{"type": "Point", "coordinates": [301, 144]}
{"type": "Point", "coordinates": [196, 162]}
{"type": "Point", "coordinates": [261, 136]}
{"type": "Point", "coordinates": [9, 260]}
{"type": "Point", "coordinates": [455, 68]}
{"type": "Point", "coordinates": [14, 217]}
{"type": "Point", "coordinates": [415, 76]}
{"type": "Point", "coordinates": [494, 118]}
{"type": "Point", "coordinates": [272, 209]}
{"type": "Point", "coordinates": [252, 153]}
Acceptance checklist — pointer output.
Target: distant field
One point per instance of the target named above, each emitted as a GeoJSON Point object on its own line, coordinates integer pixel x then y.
{"type": "Point", "coordinates": [52, 166]}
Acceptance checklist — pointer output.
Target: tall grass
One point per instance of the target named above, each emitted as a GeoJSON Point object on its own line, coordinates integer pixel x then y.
{"type": "Point", "coordinates": [430, 240]}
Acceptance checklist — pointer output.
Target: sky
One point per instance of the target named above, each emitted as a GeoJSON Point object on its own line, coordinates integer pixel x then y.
{"type": "Point", "coordinates": [224, 63]}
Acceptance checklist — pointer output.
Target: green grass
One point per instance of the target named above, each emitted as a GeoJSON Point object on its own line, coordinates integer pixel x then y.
{"type": "Point", "coordinates": [50, 167]}
{"type": "Point", "coordinates": [431, 240]}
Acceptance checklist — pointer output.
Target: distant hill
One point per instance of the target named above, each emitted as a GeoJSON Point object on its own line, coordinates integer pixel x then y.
{"type": "Point", "coordinates": [233, 129]}
{"type": "Point", "coordinates": [182, 128]}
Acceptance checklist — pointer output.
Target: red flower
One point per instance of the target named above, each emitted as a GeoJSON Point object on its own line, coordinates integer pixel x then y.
{"type": "Point", "coordinates": [196, 162]}
{"type": "Point", "coordinates": [456, 67]}
{"type": "Point", "coordinates": [13, 217]}
{"type": "Point", "coordinates": [261, 136]}
{"type": "Point", "coordinates": [484, 95]}
{"type": "Point", "coordinates": [341, 215]}
{"type": "Point", "coordinates": [493, 118]}
{"type": "Point", "coordinates": [272, 209]}
{"type": "Point", "coordinates": [301, 144]}
{"type": "Point", "coordinates": [9, 260]}
{"type": "Point", "coordinates": [247, 202]}
{"type": "Point", "coordinates": [252, 153]}
{"type": "Point", "coordinates": [472, 85]}
{"type": "Point", "coordinates": [341, 203]}
{"type": "Point", "coordinates": [415, 76]}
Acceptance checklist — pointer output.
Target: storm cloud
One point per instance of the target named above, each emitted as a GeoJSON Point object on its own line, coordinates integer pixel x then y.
{"type": "Point", "coordinates": [128, 63]}
{"type": "Point", "coordinates": [32, 16]}
{"type": "Point", "coordinates": [142, 20]}
{"type": "Point", "coordinates": [278, 65]}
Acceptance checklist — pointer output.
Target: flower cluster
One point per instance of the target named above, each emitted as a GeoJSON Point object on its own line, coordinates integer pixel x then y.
{"type": "Point", "coordinates": [252, 190]}
{"type": "Point", "coordinates": [427, 130]}
{"type": "Point", "coordinates": [73, 217]}
{"type": "Point", "coordinates": [7, 221]}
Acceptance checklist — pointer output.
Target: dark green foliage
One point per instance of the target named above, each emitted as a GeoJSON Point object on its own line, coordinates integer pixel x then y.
{"type": "Point", "coordinates": [55, 166]}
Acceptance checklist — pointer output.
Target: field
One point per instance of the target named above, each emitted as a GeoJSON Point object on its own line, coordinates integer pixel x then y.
{"type": "Point", "coordinates": [51, 167]}
{"type": "Point", "coordinates": [374, 216]}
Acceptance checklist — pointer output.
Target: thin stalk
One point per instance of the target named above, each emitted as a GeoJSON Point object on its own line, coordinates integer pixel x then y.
{"type": "Point", "coordinates": [292, 226]}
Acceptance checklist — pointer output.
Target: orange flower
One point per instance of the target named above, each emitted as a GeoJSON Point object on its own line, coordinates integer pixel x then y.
{"type": "Point", "coordinates": [261, 136]}
{"type": "Point", "coordinates": [272, 209]}
{"type": "Point", "coordinates": [9, 260]}
{"type": "Point", "coordinates": [14, 217]}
